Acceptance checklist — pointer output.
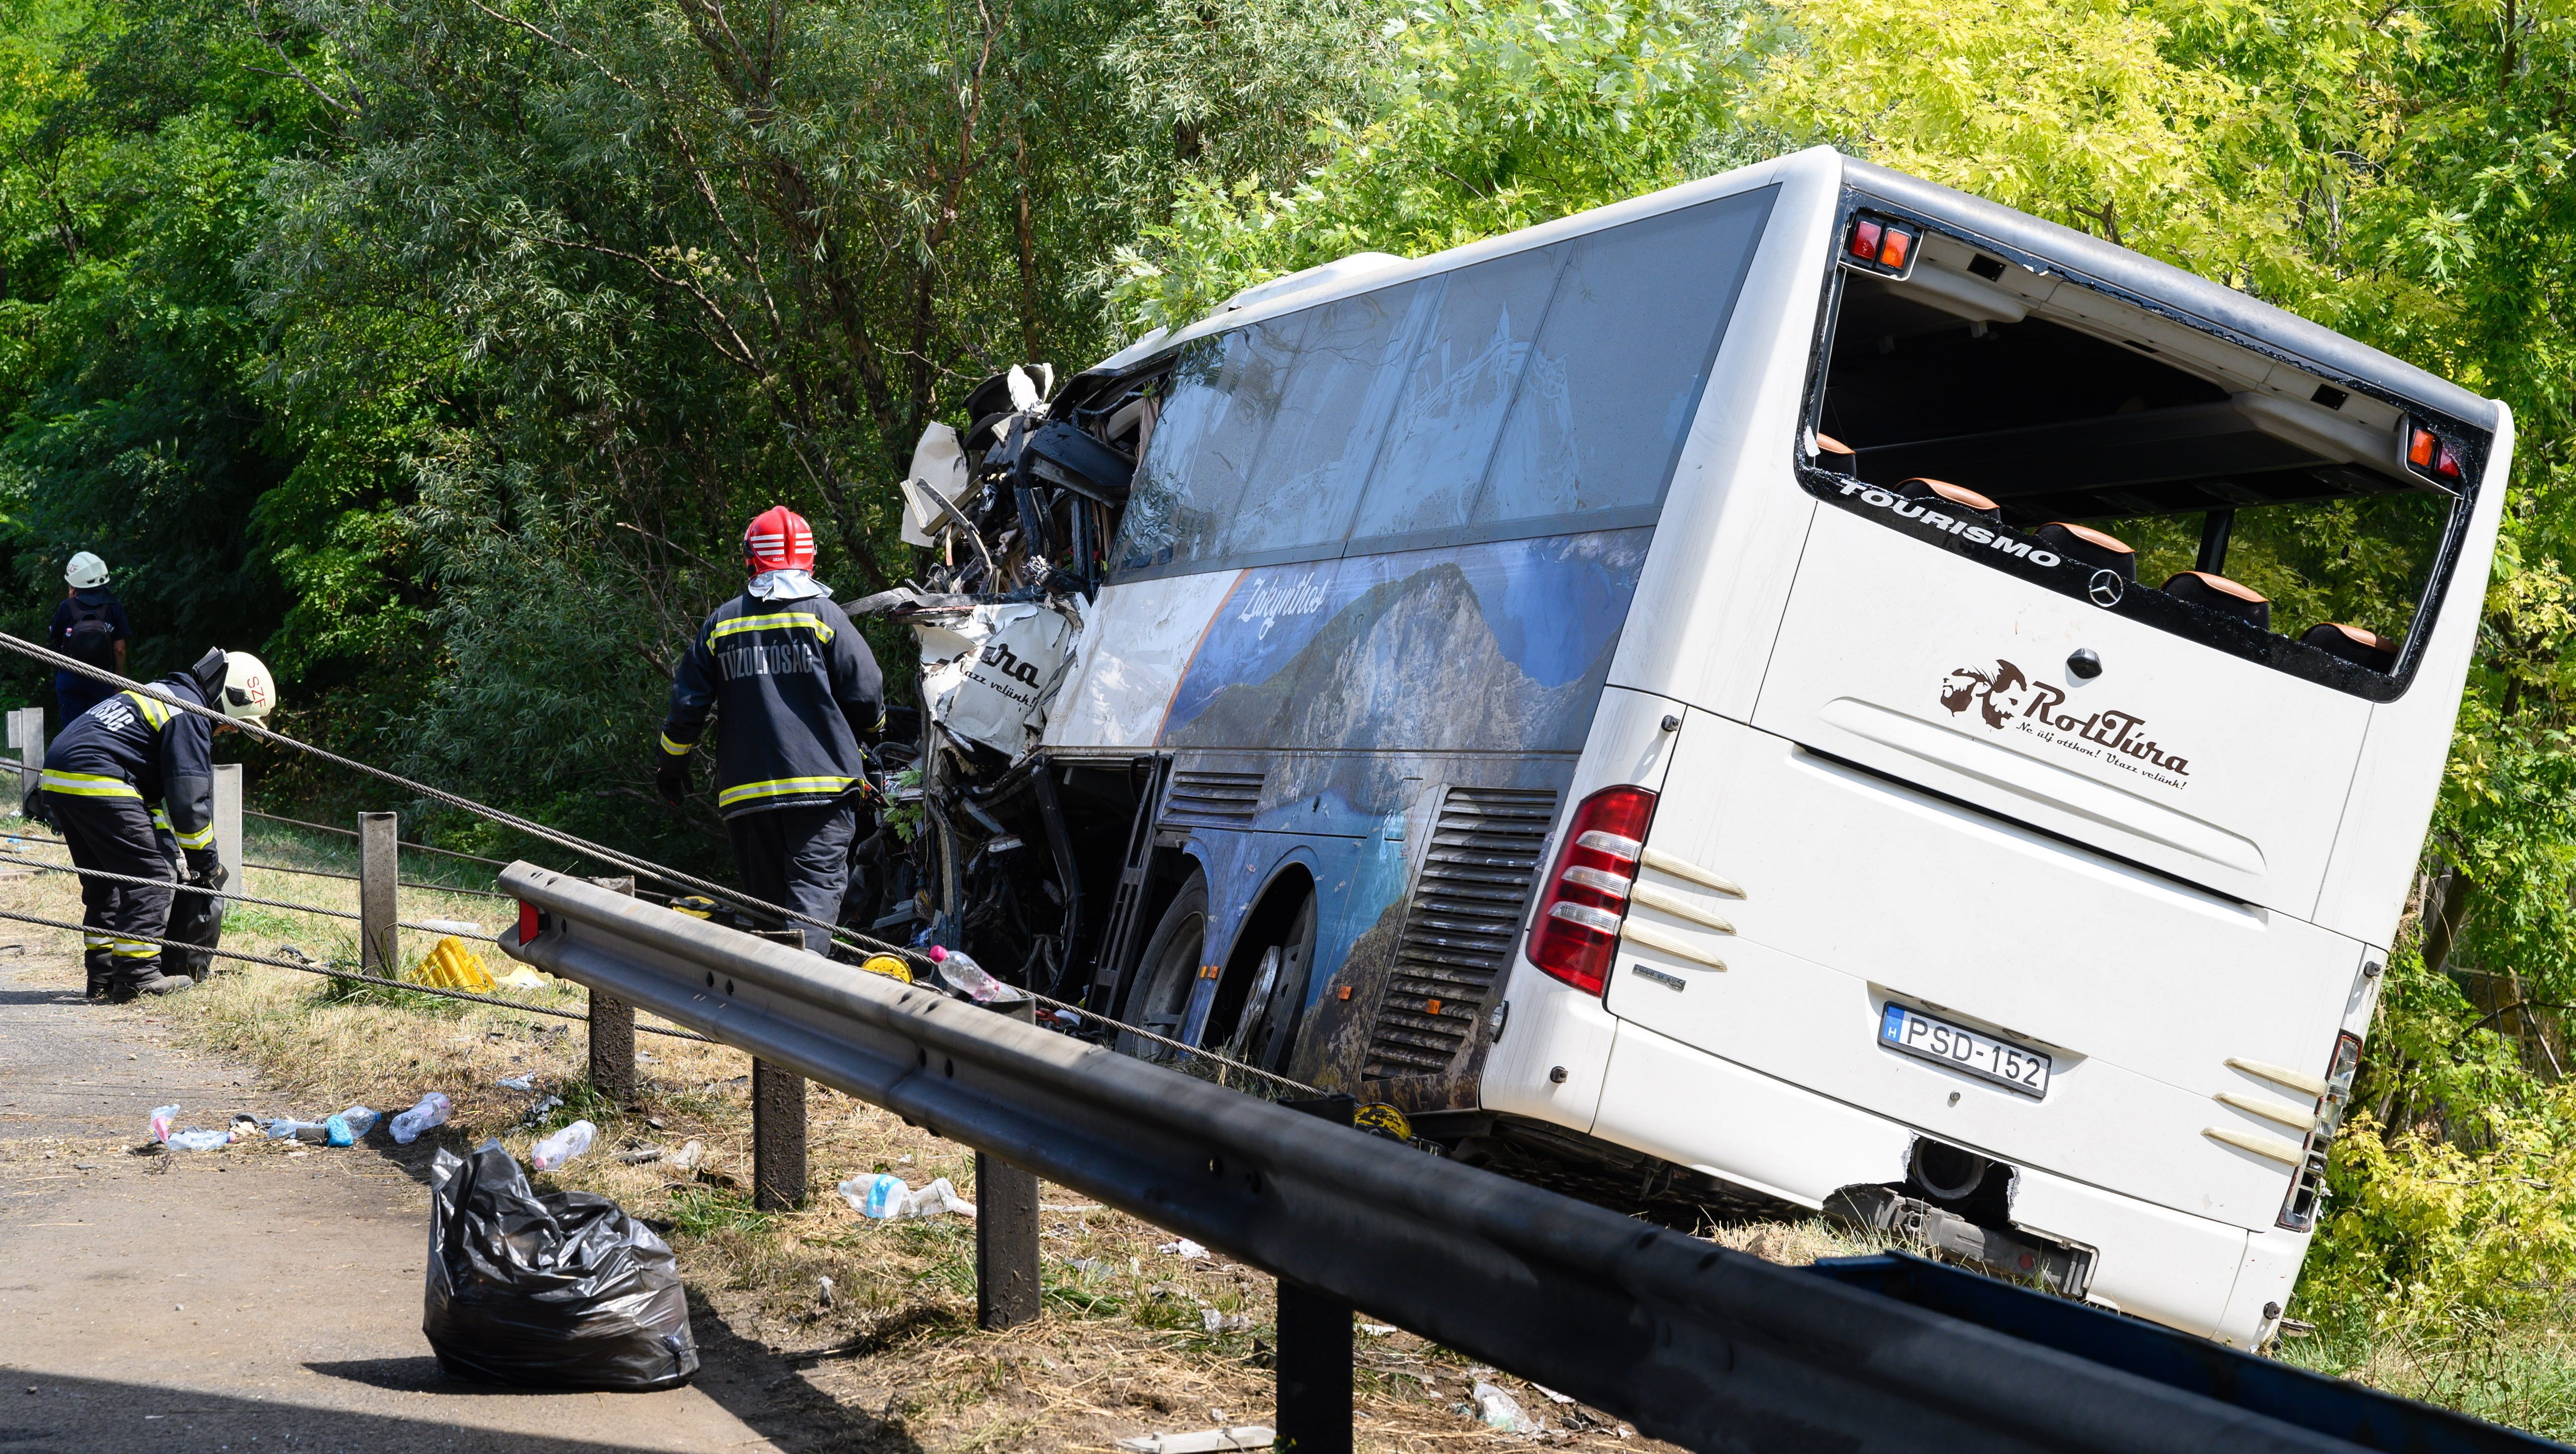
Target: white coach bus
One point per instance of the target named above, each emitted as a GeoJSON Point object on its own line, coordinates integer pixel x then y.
{"type": "Point", "coordinates": [1807, 686]}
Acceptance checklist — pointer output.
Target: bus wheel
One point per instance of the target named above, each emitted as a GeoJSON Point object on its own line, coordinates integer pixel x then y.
{"type": "Point", "coordinates": [1166, 971]}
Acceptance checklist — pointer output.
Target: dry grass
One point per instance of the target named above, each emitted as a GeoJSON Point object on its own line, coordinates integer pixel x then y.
{"type": "Point", "coordinates": [895, 1360]}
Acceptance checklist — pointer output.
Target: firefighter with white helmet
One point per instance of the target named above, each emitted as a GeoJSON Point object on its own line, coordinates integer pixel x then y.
{"type": "Point", "coordinates": [104, 779]}
{"type": "Point", "coordinates": [89, 626]}
{"type": "Point", "coordinates": [796, 690]}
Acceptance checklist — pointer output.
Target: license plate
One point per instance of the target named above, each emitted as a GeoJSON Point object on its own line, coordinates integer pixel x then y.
{"type": "Point", "coordinates": [1983, 1056]}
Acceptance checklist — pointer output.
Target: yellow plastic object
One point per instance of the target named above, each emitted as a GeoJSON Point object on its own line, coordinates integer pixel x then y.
{"type": "Point", "coordinates": [887, 965]}
{"type": "Point", "coordinates": [449, 965]}
{"type": "Point", "coordinates": [1380, 1119]}
{"type": "Point", "coordinates": [696, 906]}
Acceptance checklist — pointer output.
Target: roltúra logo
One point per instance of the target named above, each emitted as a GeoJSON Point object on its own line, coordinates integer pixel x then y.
{"type": "Point", "coordinates": [2008, 700]}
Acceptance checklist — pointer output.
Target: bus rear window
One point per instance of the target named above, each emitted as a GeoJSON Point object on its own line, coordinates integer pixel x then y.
{"type": "Point", "coordinates": [2078, 439]}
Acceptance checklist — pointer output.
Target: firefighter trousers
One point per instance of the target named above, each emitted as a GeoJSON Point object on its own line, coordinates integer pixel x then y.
{"type": "Point", "coordinates": [797, 858]}
{"type": "Point", "coordinates": [116, 834]}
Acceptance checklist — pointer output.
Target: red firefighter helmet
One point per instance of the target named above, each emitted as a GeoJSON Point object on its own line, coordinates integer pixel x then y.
{"type": "Point", "coordinates": [779, 539]}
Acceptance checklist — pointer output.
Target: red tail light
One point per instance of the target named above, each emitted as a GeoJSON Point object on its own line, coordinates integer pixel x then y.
{"type": "Point", "coordinates": [531, 923]}
{"type": "Point", "coordinates": [1585, 899]}
{"type": "Point", "coordinates": [2430, 453]}
{"type": "Point", "coordinates": [1879, 244]}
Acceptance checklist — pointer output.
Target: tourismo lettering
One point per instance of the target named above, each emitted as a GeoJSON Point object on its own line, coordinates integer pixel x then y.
{"type": "Point", "coordinates": [1967, 530]}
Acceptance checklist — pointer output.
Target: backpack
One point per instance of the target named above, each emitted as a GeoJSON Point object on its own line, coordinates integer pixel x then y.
{"type": "Point", "coordinates": [91, 637]}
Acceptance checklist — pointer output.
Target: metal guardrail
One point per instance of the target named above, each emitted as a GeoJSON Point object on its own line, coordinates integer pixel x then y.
{"type": "Point", "coordinates": [1705, 1347]}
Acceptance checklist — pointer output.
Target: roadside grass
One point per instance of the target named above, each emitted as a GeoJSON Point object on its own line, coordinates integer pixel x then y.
{"type": "Point", "coordinates": [2519, 1373]}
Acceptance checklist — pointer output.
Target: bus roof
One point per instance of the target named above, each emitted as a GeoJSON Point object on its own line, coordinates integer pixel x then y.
{"type": "Point", "coordinates": [2057, 249]}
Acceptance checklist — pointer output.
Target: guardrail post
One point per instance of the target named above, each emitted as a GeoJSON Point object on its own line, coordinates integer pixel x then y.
{"type": "Point", "coordinates": [379, 951]}
{"type": "Point", "coordinates": [612, 1028]}
{"type": "Point", "coordinates": [27, 735]}
{"type": "Point", "coordinates": [1006, 1227]}
{"type": "Point", "coordinates": [228, 825]}
{"type": "Point", "coordinates": [1314, 1404]}
{"type": "Point", "coordinates": [777, 1138]}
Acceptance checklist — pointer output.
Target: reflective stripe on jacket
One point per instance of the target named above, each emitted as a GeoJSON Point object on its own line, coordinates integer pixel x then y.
{"type": "Point", "coordinates": [792, 683]}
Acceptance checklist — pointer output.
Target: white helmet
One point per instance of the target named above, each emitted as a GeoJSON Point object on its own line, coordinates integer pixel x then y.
{"type": "Point", "coordinates": [248, 691]}
{"type": "Point", "coordinates": [86, 572]}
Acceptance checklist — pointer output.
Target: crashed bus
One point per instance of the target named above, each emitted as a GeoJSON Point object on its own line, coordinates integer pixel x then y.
{"type": "Point", "coordinates": [1807, 689]}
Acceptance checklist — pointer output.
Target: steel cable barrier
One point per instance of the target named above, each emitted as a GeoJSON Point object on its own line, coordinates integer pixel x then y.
{"type": "Point", "coordinates": [1709, 1348]}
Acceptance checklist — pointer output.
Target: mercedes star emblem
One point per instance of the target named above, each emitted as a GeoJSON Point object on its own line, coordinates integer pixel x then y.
{"type": "Point", "coordinates": [2107, 588]}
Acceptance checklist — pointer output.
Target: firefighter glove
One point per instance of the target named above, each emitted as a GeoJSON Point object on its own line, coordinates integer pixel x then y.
{"type": "Point", "coordinates": [671, 780]}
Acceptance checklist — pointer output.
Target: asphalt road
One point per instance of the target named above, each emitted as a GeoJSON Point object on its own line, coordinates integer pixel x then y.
{"type": "Point", "coordinates": [230, 1301]}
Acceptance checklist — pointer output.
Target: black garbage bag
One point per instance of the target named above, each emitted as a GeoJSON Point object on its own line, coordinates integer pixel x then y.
{"type": "Point", "coordinates": [557, 1291]}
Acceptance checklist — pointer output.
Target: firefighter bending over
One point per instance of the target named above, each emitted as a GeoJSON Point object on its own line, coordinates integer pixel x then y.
{"type": "Point", "coordinates": [104, 779]}
{"type": "Point", "coordinates": [796, 690]}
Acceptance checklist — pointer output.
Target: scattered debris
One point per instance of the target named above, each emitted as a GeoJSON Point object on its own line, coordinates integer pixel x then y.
{"type": "Point", "coordinates": [887, 1197]}
{"type": "Point", "coordinates": [552, 1152]}
{"type": "Point", "coordinates": [433, 1110]}
{"type": "Point", "coordinates": [1203, 1441]}
{"type": "Point", "coordinates": [1501, 1411]}
{"type": "Point", "coordinates": [449, 965]}
{"type": "Point", "coordinates": [642, 1155]}
{"type": "Point", "coordinates": [515, 1082]}
{"type": "Point", "coordinates": [823, 1292]}
{"type": "Point", "coordinates": [1377, 1330]}
{"type": "Point", "coordinates": [688, 1155]}
{"type": "Point", "coordinates": [1552, 1395]}
{"type": "Point", "coordinates": [1184, 1249]}
{"type": "Point", "coordinates": [1217, 1322]}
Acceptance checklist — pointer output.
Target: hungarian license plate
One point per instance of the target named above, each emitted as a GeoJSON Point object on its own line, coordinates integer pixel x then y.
{"type": "Point", "coordinates": [1984, 1056]}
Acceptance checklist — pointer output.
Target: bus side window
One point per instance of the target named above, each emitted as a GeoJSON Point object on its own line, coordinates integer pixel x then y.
{"type": "Point", "coordinates": [1618, 370]}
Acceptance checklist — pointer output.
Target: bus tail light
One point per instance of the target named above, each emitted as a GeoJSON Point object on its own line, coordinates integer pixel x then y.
{"type": "Point", "coordinates": [1879, 244]}
{"type": "Point", "coordinates": [2431, 454]}
{"type": "Point", "coordinates": [2308, 1189]}
{"type": "Point", "coordinates": [1576, 930]}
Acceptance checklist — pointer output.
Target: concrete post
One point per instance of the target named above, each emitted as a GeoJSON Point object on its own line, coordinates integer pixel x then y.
{"type": "Point", "coordinates": [228, 823]}
{"type": "Point", "coordinates": [1006, 1228]}
{"type": "Point", "coordinates": [777, 1138]}
{"type": "Point", "coordinates": [612, 1028]}
{"type": "Point", "coordinates": [379, 947]}
{"type": "Point", "coordinates": [1314, 1408]}
{"type": "Point", "coordinates": [27, 737]}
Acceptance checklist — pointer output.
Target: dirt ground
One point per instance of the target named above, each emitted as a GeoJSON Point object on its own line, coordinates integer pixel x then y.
{"type": "Point", "coordinates": [268, 1295]}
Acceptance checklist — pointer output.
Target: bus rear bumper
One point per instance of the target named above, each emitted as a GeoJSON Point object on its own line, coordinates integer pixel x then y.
{"type": "Point", "coordinates": [2189, 1272]}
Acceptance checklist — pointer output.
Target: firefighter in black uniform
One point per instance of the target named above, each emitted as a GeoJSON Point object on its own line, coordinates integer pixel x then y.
{"type": "Point", "coordinates": [104, 778]}
{"type": "Point", "coordinates": [797, 690]}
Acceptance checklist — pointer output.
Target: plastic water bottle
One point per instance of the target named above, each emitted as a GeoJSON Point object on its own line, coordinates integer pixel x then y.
{"type": "Point", "coordinates": [162, 1116]}
{"type": "Point", "coordinates": [199, 1140]}
{"type": "Point", "coordinates": [562, 1146]}
{"type": "Point", "coordinates": [880, 1196]}
{"type": "Point", "coordinates": [284, 1128]}
{"type": "Point", "coordinates": [433, 1110]}
{"type": "Point", "coordinates": [966, 976]}
{"type": "Point", "coordinates": [360, 1120]}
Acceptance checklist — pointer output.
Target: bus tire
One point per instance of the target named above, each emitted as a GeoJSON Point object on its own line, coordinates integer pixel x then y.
{"type": "Point", "coordinates": [1166, 971]}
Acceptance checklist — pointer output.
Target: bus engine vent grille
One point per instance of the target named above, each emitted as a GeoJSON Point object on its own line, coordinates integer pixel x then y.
{"type": "Point", "coordinates": [1213, 799]}
{"type": "Point", "coordinates": [1460, 929]}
